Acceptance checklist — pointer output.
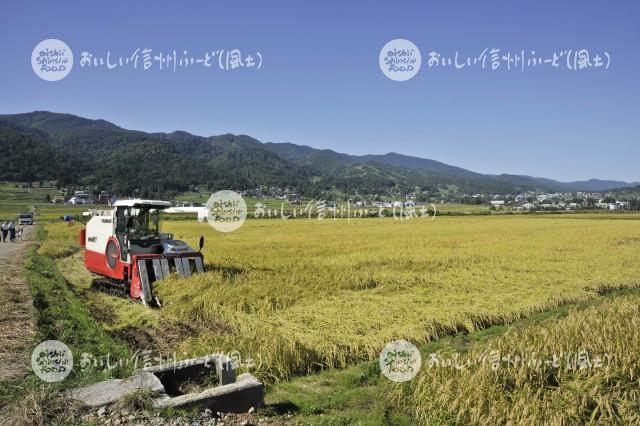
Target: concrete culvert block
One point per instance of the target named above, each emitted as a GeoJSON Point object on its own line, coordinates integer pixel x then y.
{"type": "Point", "coordinates": [174, 374]}
{"type": "Point", "coordinates": [109, 391]}
{"type": "Point", "coordinates": [210, 380]}
{"type": "Point", "coordinates": [238, 397]}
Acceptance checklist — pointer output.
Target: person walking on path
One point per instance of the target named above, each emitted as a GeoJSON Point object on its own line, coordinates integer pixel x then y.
{"type": "Point", "coordinates": [5, 231]}
{"type": "Point", "coordinates": [12, 232]}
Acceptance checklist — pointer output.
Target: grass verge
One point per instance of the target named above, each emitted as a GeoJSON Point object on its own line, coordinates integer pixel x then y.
{"type": "Point", "coordinates": [60, 315]}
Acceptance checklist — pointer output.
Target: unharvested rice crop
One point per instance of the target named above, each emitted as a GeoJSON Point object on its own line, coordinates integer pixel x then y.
{"type": "Point", "coordinates": [61, 240]}
{"type": "Point", "coordinates": [296, 295]}
{"type": "Point", "coordinates": [300, 294]}
{"type": "Point", "coordinates": [583, 368]}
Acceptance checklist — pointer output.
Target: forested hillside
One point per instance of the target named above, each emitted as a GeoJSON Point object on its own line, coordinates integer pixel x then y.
{"type": "Point", "coordinates": [70, 149]}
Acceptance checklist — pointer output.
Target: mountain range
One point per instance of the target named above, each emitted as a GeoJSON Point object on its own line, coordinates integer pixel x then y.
{"type": "Point", "coordinates": [44, 145]}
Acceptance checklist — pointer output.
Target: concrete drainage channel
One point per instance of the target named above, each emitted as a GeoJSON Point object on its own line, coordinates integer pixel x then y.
{"type": "Point", "coordinates": [207, 382]}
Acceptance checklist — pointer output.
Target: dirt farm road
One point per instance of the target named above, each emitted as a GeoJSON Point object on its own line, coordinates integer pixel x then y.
{"type": "Point", "coordinates": [8, 250]}
{"type": "Point", "coordinates": [16, 309]}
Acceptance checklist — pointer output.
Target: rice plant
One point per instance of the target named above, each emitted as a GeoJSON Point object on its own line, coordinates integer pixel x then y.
{"type": "Point", "coordinates": [304, 294]}
{"type": "Point", "coordinates": [583, 368]}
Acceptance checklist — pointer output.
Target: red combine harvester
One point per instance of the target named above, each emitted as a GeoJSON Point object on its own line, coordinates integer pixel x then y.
{"type": "Point", "coordinates": [125, 248]}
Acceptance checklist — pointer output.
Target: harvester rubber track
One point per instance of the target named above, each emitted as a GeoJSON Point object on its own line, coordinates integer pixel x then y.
{"type": "Point", "coordinates": [111, 287]}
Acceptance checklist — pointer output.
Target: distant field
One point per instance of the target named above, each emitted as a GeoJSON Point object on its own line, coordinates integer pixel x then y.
{"type": "Point", "coordinates": [273, 203]}
{"type": "Point", "coordinates": [14, 200]}
{"type": "Point", "coordinates": [302, 294]}
{"type": "Point", "coordinates": [53, 212]}
{"type": "Point", "coordinates": [11, 192]}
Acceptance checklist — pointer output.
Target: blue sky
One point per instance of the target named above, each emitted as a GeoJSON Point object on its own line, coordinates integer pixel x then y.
{"type": "Point", "coordinates": [320, 83]}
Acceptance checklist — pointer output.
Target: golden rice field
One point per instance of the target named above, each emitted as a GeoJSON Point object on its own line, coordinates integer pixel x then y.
{"type": "Point", "coordinates": [300, 294]}
{"type": "Point", "coordinates": [594, 379]}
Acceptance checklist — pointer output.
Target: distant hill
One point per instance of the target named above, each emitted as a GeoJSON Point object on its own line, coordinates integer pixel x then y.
{"type": "Point", "coordinates": [594, 185]}
{"type": "Point", "coordinates": [72, 149]}
{"type": "Point", "coordinates": [297, 152]}
{"type": "Point", "coordinates": [26, 155]}
{"type": "Point", "coordinates": [312, 155]}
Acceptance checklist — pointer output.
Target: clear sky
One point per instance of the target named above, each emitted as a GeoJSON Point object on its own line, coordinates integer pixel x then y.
{"type": "Point", "coordinates": [320, 83]}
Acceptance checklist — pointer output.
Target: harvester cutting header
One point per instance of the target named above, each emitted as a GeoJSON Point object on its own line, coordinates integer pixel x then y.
{"type": "Point", "coordinates": [125, 247]}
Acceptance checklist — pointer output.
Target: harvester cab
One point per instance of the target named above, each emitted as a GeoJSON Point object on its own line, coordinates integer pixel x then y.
{"type": "Point", "coordinates": [125, 247]}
